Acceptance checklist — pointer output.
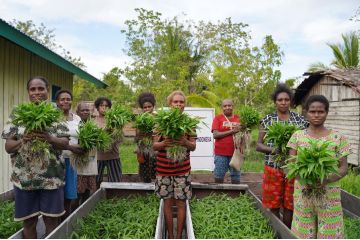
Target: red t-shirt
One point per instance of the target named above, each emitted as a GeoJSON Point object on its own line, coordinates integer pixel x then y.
{"type": "Point", "coordinates": [224, 146]}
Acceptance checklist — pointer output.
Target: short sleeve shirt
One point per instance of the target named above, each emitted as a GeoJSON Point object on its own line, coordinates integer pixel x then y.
{"type": "Point", "coordinates": [224, 146]}
{"type": "Point", "coordinates": [29, 175]}
{"type": "Point", "coordinates": [341, 147]}
{"type": "Point", "coordinates": [272, 118]}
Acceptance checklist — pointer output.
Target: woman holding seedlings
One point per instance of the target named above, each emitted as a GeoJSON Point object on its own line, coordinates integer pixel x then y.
{"type": "Point", "coordinates": [321, 218]}
{"type": "Point", "coordinates": [110, 158]}
{"type": "Point", "coordinates": [86, 175]}
{"type": "Point", "coordinates": [224, 127]}
{"type": "Point", "coordinates": [173, 182]}
{"type": "Point", "coordinates": [147, 162]}
{"type": "Point", "coordinates": [277, 190]}
{"type": "Point", "coordinates": [63, 102]}
{"type": "Point", "coordinates": [38, 185]}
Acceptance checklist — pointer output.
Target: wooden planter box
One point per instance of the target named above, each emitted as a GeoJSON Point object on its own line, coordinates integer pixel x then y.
{"type": "Point", "coordinates": [350, 204]}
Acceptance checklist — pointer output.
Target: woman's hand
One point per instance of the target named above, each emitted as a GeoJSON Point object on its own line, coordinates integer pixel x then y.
{"type": "Point", "coordinates": [76, 149]}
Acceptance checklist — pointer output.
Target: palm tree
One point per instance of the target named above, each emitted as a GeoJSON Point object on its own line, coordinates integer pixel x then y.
{"type": "Point", "coordinates": [206, 99]}
{"type": "Point", "coordinates": [347, 55]}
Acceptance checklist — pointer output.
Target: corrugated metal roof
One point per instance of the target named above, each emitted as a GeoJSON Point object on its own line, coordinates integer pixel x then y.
{"type": "Point", "coordinates": [14, 35]}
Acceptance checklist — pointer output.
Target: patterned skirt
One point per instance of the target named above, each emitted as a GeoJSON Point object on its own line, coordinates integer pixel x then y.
{"type": "Point", "coordinates": [318, 219]}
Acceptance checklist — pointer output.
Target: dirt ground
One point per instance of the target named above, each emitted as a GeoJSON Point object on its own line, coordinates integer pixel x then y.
{"type": "Point", "coordinates": [252, 179]}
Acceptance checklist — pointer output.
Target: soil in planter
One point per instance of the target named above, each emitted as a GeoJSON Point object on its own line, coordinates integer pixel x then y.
{"type": "Point", "coordinates": [132, 217]}
{"type": "Point", "coordinates": [7, 224]}
{"type": "Point", "coordinates": [220, 216]}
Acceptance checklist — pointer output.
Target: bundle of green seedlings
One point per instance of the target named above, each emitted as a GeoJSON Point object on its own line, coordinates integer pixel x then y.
{"type": "Point", "coordinates": [90, 137]}
{"type": "Point", "coordinates": [175, 124]}
{"type": "Point", "coordinates": [352, 230]}
{"type": "Point", "coordinates": [7, 224]}
{"type": "Point", "coordinates": [36, 118]}
{"type": "Point", "coordinates": [131, 218]}
{"type": "Point", "coordinates": [249, 118]}
{"type": "Point", "coordinates": [219, 216]}
{"type": "Point", "coordinates": [351, 183]}
{"type": "Point", "coordinates": [279, 134]}
{"type": "Point", "coordinates": [116, 118]}
{"type": "Point", "coordinates": [145, 123]}
{"type": "Point", "coordinates": [313, 164]}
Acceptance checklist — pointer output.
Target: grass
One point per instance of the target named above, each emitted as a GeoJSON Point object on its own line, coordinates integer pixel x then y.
{"type": "Point", "coordinates": [351, 183]}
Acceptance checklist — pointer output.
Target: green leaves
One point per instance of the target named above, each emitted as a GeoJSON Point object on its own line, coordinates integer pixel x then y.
{"type": "Point", "coordinates": [145, 122]}
{"type": "Point", "coordinates": [36, 117]}
{"type": "Point", "coordinates": [174, 124]}
{"type": "Point", "coordinates": [249, 117]}
{"type": "Point", "coordinates": [313, 163]}
{"type": "Point", "coordinates": [219, 216]}
{"type": "Point", "coordinates": [7, 224]}
{"type": "Point", "coordinates": [92, 137]}
{"type": "Point", "coordinates": [279, 134]}
{"type": "Point", "coordinates": [116, 118]}
{"type": "Point", "coordinates": [126, 218]}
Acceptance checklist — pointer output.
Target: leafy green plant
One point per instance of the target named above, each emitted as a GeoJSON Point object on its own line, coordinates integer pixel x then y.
{"type": "Point", "coordinates": [175, 124]}
{"type": "Point", "coordinates": [7, 224]}
{"type": "Point", "coordinates": [219, 216]}
{"type": "Point", "coordinates": [116, 118]}
{"type": "Point", "coordinates": [249, 119]}
{"type": "Point", "coordinates": [36, 118]}
{"type": "Point", "coordinates": [131, 218]}
{"type": "Point", "coordinates": [279, 134]}
{"type": "Point", "coordinates": [90, 137]}
{"type": "Point", "coordinates": [145, 123]}
{"type": "Point", "coordinates": [313, 164]}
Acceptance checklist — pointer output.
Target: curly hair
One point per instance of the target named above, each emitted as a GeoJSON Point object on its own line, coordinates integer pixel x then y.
{"type": "Point", "coordinates": [281, 88]}
{"type": "Point", "coordinates": [63, 91]}
{"type": "Point", "coordinates": [100, 100]}
{"type": "Point", "coordinates": [146, 97]}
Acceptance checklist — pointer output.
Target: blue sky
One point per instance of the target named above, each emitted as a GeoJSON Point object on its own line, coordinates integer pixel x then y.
{"type": "Point", "coordinates": [91, 28]}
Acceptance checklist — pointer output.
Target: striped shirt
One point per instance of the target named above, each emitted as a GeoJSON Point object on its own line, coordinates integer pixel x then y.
{"type": "Point", "coordinates": [170, 167]}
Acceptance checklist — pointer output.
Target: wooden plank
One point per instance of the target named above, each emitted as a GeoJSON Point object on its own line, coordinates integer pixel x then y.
{"type": "Point", "coordinates": [3, 153]}
{"type": "Point", "coordinates": [345, 103]}
{"type": "Point", "coordinates": [346, 118]}
{"type": "Point", "coordinates": [350, 202]}
{"type": "Point", "coordinates": [344, 114]}
{"type": "Point", "coordinates": [344, 108]}
{"type": "Point", "coordinates": [342, 122]}
{"type": "Point", "coordinates": [353, 159]}
{"type": "Point", "coordinates": [343, 127]}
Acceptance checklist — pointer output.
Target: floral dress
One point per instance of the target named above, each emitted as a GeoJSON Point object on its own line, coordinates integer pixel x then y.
{"type": "Point", "coordinates": [325, 220]}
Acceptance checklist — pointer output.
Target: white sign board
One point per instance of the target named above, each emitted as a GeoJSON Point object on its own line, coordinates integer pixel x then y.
{"type": "Point", "coordinates": [203, 157]}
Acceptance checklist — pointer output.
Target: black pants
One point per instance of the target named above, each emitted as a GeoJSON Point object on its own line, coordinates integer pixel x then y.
{"type": "Point", "coordinates": [113, 170]}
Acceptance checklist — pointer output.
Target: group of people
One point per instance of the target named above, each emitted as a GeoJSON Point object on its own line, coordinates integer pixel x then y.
{"type": "Point", "coordinates": [305, 218]}
{"type": "Point", "coordinates": [55, 187]}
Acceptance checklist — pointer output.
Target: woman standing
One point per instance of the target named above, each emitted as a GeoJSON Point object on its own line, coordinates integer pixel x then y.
{"type": "Point", "coordinates": [147, 162]}
{"type": "Point", "coordinates": [38, 187]}
{"type": "Point", "coordinates": [109, 159]}
{"type": "Point", "coordinates": [63, 102]}
{"type": "Point", "coordinates": [324, 220]}
{"type": "Point", "coordinates": [173, 181]}
{"type": "Point", "coordinates": [277, 190]}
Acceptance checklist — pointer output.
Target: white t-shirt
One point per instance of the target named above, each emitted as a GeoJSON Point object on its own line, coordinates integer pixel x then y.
{"type": "Point", "coordinates": [91, 167]}
{"type": "Point", "coordinates": [73, 127]}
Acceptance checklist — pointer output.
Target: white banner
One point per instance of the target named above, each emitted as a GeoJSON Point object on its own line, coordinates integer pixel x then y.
{"type": "Point", "coordinates": [203, 157]}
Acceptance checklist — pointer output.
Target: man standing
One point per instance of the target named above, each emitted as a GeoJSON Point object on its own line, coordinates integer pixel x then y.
{"type": "Point", "coordinates": [224, 127]}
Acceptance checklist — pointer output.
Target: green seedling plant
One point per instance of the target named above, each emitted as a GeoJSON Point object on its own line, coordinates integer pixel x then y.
{"type": "Point", "coordinates": [175, 124]}
{"type": "Point", "coordinates": [36, 118]}
{"type": "Point", "coordinates": [145, 123]}
{"type": "Point", "coordinates": [120, 218]}
{"type": "Point", "coordinates": [116, 118]}
{"type": "Point", "coordinates": [90, 137]}
{"type": "Point", "coordinates": [279, 134]}
{"type": "Point", "coordinates": [249, 118]}
{"type": "Point", "coordinates": [7, 224]}
{"type": "Point", "coordinates": [219, 216]}
{"type": "Point", "coordinates": [313, 164]}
